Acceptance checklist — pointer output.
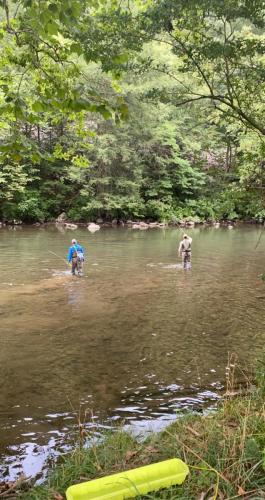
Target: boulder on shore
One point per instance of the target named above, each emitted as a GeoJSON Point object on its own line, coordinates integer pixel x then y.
{"type": "Point", "coordinates": [190, 223]}
{"type": "Point", "coordinates": [140, 225]}
{"type": "Point", "coordinates": [62, 217]}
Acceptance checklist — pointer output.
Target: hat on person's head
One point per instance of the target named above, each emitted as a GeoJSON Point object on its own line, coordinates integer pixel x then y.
{"type": "Point", "coordinates": [74, 241]}
{"type": "Point", "coordinates": [185, 236]}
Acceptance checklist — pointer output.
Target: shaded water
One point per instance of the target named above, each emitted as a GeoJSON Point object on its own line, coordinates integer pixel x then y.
{"type": "Point", "coordinates": [135, 340]}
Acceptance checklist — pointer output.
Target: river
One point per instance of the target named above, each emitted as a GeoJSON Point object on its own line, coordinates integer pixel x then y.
{"type": "Point", "coordinates": [135, 341]}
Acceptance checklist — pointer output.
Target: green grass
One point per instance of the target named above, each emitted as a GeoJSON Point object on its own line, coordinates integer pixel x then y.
{"type": "Point", "coordinates": [225, 451]}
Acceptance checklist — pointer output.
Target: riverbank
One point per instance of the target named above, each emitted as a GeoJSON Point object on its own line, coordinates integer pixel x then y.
{"type": "Point", "coordinates": [146, 224]}
{"type": "Point", "coordinates": [225, 452]}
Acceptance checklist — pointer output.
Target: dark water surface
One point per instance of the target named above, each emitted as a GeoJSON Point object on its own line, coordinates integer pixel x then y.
{"type": "Point", "coordinates": [135, 340]}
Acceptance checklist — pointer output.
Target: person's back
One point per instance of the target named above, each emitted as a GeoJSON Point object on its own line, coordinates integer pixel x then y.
{"type": "Point", "coordinates": [76, 257]}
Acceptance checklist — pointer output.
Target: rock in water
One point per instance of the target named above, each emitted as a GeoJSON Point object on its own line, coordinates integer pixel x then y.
{"type": "Point", "coordinates": [93, 227]}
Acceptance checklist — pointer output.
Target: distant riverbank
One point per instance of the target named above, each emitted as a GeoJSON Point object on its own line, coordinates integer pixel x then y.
{"type": "Point", "coordinates": [136, 224]}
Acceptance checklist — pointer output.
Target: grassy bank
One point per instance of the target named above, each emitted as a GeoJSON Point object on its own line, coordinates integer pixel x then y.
{"type": "Point", "coordinates": [225, 451]}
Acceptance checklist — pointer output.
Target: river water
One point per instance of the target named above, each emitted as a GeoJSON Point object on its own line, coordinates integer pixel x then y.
{"type": "Point", "coordinates": [135, 341]}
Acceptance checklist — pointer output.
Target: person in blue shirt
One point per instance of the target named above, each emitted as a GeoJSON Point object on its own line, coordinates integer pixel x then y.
{"type": "Point", "coordinates": [76, 257]}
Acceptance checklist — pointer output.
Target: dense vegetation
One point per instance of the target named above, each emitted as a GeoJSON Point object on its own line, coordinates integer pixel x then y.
{"type": "Point", "coordinates": [138, 109]}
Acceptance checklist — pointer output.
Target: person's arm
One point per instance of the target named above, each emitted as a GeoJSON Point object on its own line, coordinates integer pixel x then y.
{"type": "Point", "coordinates": [69, 257]}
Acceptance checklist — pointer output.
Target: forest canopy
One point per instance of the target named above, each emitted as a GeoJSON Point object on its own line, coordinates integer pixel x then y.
{"type": "Point", "coordinates": [132, 109]}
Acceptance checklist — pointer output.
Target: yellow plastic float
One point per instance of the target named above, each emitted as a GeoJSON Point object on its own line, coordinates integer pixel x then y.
{"type": "Point", "coordinates": [131, 483]}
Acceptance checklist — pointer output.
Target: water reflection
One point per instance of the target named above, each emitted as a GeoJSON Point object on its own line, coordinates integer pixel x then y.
{"type": "Point", "coordinates": [137, 340]}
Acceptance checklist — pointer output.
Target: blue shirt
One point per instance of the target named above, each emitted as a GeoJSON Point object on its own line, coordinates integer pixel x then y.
{"type": "Point", "coordinates": [74, 248]}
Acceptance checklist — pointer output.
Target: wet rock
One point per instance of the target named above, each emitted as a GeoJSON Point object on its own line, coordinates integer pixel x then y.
{"type": "Point", "coordinates": [92, 227]}
{"type": "Point", "coordinates": [140, 225]}
{"type": "Point", "coordinates": [114, 222]}
{"type": "Point", "coordinates": [153, 225]}
{"type": "Point", "coordinates": [99, 221]}
{"type": "Point", "coordinates": [70, 226]}
{"type": "Point", "coordinates": [143, 225]}
{"type": "Point", "coordinates": [130, 222]}
{"type": "Point", "coordinates": [230, 224]}
{"type": "Point", "coordinates": [62, 217]}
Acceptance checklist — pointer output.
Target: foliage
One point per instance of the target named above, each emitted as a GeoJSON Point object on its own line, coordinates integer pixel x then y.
{"type": "Point", "coordinates": [219, 44]}
{"type": "Point", "coordinates": [131, 110]}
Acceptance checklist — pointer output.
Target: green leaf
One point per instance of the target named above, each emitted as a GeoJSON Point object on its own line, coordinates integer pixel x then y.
{"type": "Point", "coordinates": [38, 107]}
{"type": "Point", "coordinates": [121, 58]}
{"type": "Point", "coordinates": [104, 111]}
{"type": "Point", "coordinates": [16, 157]}
{"type": "Point", "coordinates": [76, 48]}
{"type": "Point", "coordinates": [52, 28]}
{"type": "Point", "coordinates": [53, 8]}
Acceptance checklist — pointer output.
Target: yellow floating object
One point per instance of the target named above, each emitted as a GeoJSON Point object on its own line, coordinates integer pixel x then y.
{"type": "Point", "coordinates": [131, 483]}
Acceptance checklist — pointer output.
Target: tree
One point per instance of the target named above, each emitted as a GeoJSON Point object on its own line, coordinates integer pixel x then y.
{"type": "Point", "coordinates": [221, 46]}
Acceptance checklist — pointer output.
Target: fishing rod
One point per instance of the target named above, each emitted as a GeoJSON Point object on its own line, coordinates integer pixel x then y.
{"type": "Point", "coordinates": [59, 257]}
